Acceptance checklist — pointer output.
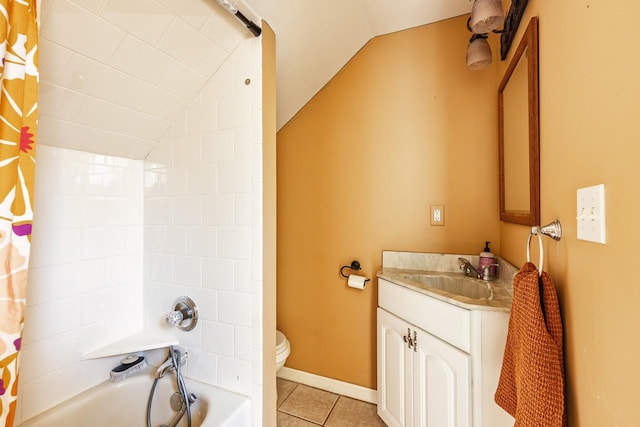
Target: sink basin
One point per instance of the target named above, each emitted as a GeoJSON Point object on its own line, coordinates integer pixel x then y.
{"type": "Point", "coordinates": [457, 285]}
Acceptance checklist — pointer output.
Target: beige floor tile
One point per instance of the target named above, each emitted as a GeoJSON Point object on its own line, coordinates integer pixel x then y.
{"type": "Point", "coordinates": [285, 420]}
{"type": "Point", "coordinates": [284, 387]}
{"type": "Point", "coordinates": [309, 403]}
{"type": "Point", "coordinates": [353, 413]}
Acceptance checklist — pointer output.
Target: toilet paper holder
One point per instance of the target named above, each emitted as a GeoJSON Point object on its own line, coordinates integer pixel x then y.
{"type": "Point", "coordinates": [355, 265]}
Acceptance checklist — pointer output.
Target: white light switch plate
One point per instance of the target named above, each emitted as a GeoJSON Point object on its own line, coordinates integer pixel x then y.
{"type": "Point", "coordinates": [590, 215]}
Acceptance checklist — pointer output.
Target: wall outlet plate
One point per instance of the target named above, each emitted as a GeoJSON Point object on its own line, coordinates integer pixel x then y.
{"type": "Point", "coordinates": [437, 214]}
{"type": "Point", "coordinates": [590, 214]}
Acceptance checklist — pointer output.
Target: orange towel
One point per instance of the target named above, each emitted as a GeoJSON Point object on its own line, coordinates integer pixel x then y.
{"type": "Point", "coordinates": [531, 385]}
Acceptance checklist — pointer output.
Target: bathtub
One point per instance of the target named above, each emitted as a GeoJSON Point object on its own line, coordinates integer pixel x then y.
{"type": "Point", "coordinates": [124, 404]}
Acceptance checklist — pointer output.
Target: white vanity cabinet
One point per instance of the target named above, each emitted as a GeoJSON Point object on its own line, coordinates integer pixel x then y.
{"type": "Point", "coordinates": [424, 381]}
{"type": "Point", "coordinates": [438, 363]}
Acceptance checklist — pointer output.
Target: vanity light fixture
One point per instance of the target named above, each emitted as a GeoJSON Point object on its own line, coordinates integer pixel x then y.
{"type": "Point", "coordinates": [478, 52]}
{"type": "Point", "coordinates": [486, 16]}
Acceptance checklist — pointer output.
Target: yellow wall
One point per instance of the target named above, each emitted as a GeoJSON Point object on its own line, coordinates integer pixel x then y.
{"type": "Point", "coordinates": [404, 125]}
{"type": "Point", "coordinates": [589, 134]}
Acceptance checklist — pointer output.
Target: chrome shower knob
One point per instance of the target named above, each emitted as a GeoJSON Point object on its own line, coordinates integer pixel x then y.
{"type": "Point", "coordinates": [174, 318]}
{"type": "Point", "coordinates": [184, 315]}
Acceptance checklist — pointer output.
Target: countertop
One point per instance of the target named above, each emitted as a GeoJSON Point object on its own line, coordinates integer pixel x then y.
{"type": "Point", "coordinates": [501, 290]}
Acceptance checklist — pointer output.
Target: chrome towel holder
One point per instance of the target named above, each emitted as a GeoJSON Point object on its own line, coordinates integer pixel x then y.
{"type": "Point", "coordinates": [553, 230]}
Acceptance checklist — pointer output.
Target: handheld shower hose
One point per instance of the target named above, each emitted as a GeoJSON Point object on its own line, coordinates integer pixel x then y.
{"type": "Point", "coordinates": [173, 363]}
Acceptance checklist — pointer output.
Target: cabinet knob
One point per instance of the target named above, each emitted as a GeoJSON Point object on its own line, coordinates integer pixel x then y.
{"type": "Point", "coordinates": [407, 338]}
{"type": "Point", "coordinates": [415, 341]}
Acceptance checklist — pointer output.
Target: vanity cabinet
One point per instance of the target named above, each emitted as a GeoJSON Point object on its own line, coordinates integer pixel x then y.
{"type": "Point", "coordinates": [438, 363]}
{"type": "Point", "coordinates": [423, 380]}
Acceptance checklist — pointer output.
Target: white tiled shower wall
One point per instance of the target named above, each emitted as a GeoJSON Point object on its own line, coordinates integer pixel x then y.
{"type": "Point", "coordinates": [201, 188]}
{"type": "Point", "coordinates": [85, 275]}
{"type": "Point", "coordinates": [203, 226]}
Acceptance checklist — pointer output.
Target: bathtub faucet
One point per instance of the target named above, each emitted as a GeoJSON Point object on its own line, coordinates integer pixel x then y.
{"type": "Point", "coordinates": [168, 365]}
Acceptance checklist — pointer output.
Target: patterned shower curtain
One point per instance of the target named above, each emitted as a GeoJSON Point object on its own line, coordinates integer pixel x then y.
{"type": "Point", "coordinates": [18, 119]}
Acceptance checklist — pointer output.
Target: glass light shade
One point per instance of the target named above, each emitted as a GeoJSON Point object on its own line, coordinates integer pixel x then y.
{"type": "Point", "coordinates": [486, 16]}
{"type": "Point", "coordinates": [478, 54]}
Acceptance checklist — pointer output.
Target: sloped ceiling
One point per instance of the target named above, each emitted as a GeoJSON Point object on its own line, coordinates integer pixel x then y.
{"type": "Point", "coordinates": [315, 38]}
{"type": "Point", "coordinates": [116, 74]}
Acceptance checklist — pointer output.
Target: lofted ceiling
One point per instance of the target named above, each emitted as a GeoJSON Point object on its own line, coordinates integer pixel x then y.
{"type": "Point", "coordinates": [315, 38]}
{"type": "Point", "coordinates": [116, 74]}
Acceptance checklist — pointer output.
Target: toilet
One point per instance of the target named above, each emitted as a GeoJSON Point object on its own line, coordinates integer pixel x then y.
{"type": "Point", "coordinates": [282, 350]}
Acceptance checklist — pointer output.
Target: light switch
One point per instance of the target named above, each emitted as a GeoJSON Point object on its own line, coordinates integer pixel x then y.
{"type": "Point", "coordinates": [590, 215]}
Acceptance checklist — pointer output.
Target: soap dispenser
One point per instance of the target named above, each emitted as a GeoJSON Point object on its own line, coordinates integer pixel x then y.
{"type": "Point", "coordinates": [486, 259]}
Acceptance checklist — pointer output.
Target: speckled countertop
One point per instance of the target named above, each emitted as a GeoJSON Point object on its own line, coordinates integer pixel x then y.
{"type": "Point", "coordinates": [401, 268]}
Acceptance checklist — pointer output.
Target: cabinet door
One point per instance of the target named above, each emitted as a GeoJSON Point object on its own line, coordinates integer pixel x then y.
{"type": "Point", "coordinates": [394, 371]}
{"type": "Point", "coordinates": [441, 384]}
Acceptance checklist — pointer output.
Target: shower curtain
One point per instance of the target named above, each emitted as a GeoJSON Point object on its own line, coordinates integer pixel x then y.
{"type": "Point", "coordinates": [18, 119]}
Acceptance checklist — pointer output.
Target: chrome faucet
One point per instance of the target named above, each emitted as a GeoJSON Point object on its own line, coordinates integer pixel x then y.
{"type": "Point", "coordinates": [483, 273]}
{"type": "Point", "coordinates": [486, 271]}
{"type": "Point", "coordinates": [168, 364]}
{"type": "Point", "coordinates": [468, 268]}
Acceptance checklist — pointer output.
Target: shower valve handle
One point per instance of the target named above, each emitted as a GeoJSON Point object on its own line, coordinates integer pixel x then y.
{"type": "Point", "coordinates": [183, 314]}
{"type": "Point", "coordinates": [174, 318]}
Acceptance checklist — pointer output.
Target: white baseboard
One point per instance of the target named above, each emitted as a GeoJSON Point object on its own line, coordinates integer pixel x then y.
{"type": "Point", "coordinates": [329, 384]}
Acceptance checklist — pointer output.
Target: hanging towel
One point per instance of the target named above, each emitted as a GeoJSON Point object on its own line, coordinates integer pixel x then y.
{"type": "Point", "coordinates": [531, 385]}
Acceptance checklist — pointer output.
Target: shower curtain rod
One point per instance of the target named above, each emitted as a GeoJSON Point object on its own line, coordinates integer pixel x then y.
{"type": "Point", "coordinates": [253, 27]}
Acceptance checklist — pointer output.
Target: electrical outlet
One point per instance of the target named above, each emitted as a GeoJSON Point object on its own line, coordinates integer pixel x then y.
{"type": "Point", "coordinates": [437, 214]}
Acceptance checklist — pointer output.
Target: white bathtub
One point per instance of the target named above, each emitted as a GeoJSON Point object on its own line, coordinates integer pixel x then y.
{"type": "Point", "coordinates": [124, 404]}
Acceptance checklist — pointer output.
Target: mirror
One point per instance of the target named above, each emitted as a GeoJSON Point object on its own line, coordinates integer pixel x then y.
{"type": "Point", "coordinates": [519, 139]}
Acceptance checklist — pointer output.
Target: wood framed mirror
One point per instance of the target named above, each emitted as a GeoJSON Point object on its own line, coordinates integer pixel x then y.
{"type": "Point", "coordinates": [519, 133]}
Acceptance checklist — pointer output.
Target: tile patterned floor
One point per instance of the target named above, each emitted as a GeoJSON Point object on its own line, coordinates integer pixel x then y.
{"type": "Point", "coordinates": [303, 406]}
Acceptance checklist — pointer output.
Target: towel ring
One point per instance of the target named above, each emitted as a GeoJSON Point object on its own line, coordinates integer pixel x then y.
{"type": "Point", "coordinates": [553, 230]}
{"type": "Point", "coordinates": [534, 230]}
